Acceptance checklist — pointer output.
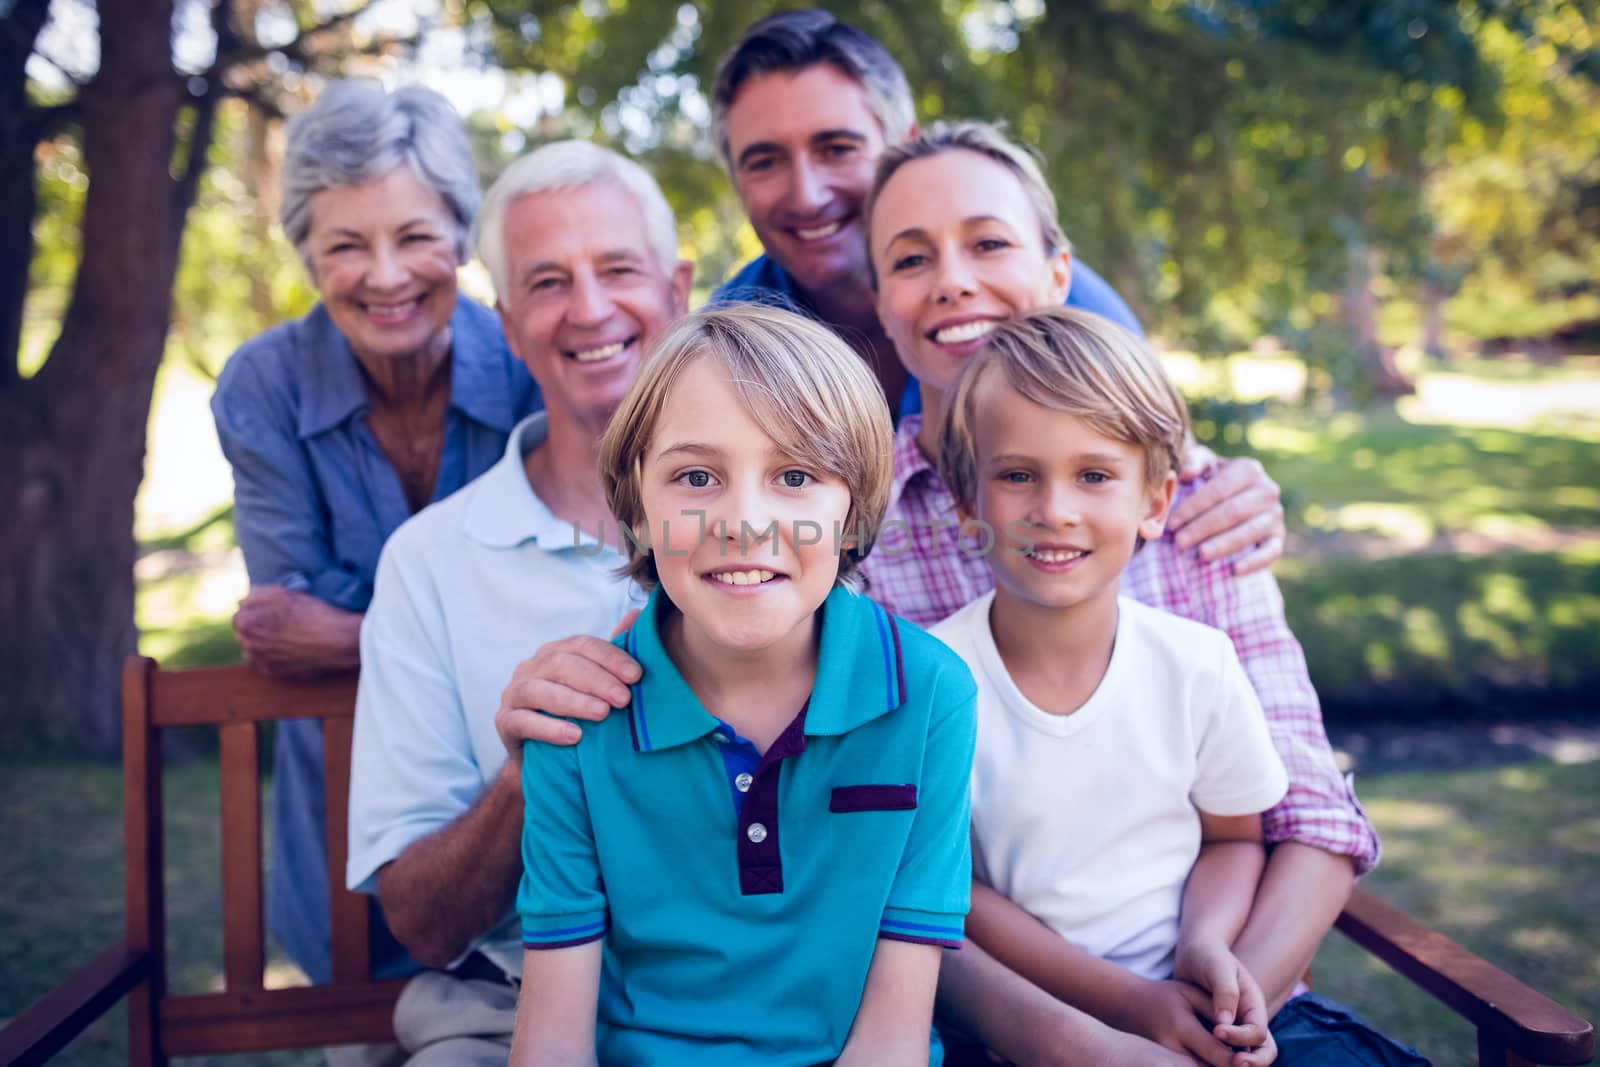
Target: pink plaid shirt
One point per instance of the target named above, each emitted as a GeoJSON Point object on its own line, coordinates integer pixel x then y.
{"type": "Point", "coordinates": [921, 570]}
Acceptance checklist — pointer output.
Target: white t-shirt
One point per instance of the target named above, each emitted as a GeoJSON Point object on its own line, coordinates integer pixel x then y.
{"type": "Point", "coordinates": [1089, 821]}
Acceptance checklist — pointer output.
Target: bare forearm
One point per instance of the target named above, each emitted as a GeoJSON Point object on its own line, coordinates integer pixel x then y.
{"type": "Point", "coordinates": [1301, 894]}
{"type": "Point", "coordinates": [455, 884]}
{"type": "Point", "coordinates": [896, 1011]}
{"type": "Point", "coordinates": [1032, 950]}
{"type": "Point", "coordinates": [1010, 1015]}
{"type": "Point", "coordinates": [1218, 894]}
{"type": "Point", "coordinates": [556, 1008]}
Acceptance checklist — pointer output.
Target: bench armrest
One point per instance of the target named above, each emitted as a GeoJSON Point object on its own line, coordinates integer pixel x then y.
{"type": "Point", "coordinates": [62, 1014]}
{"type": "Point", "coordinates": [1522, 1020]}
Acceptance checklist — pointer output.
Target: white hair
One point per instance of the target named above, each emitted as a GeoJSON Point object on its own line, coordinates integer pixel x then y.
{"type": "Point", "coordinates": [357, 132]}
{"type": "Point", "coordinates": [572, 165]}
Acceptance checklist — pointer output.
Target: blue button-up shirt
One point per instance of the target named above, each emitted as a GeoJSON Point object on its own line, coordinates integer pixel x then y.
{"type": "Point", "coordinates": [315, 498]}
{"type": "Point", "coordinates": [762, 281]}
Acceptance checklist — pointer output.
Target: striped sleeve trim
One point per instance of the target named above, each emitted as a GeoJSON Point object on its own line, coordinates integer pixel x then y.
{"type": "Point", "coordinates": [922, 928]}
{"type": "Point", "coordinates": [564, 936]}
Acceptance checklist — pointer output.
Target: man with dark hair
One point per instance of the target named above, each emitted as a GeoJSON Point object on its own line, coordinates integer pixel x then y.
{"type": "Point", "coordinates": [802, 107]}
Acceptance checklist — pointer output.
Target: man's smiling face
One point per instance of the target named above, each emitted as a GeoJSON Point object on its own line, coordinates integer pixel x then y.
{"type": "Point", "coordinates": [802, 146]}
{"type": "Point", "coordinates": [586, 296]}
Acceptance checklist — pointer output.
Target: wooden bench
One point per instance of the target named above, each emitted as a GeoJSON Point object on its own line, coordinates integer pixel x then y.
{"type": "Point", "coordinates": [1516, 1025]}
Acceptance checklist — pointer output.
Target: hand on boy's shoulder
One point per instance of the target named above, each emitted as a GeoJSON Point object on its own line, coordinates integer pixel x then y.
{"type": "Point", "coordinates": [580, 677]}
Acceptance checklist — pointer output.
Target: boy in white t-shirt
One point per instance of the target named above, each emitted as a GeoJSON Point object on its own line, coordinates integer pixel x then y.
{"type": "Point", "coordinates": [1123, 761]}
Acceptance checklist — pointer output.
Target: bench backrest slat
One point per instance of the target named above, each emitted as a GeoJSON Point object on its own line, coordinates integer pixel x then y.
{"type": "Point", "coordinates": [246, 1017]}
{"type": "Point", "coordinates": [243, 945]}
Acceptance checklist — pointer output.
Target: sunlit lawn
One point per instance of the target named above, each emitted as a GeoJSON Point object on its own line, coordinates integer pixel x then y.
{"type": "Point", "coordinates": [1506, 860]}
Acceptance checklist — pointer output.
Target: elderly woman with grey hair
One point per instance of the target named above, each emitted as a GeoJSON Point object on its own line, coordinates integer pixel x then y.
{"type": "Point", "coordinates": [394, 391]}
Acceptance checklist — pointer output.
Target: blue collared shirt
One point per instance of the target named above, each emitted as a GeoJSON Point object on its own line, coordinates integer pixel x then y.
{"type": "Point", "coordinates": [763, 281]}
{"type": "Point", "coordinates": [744, 934]}
{"type": "Point", "coordinates": [315, 498]}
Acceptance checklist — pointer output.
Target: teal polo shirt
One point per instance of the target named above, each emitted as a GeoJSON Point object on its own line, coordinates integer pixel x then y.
{"type": "Point", "coordinates": [744, 936]}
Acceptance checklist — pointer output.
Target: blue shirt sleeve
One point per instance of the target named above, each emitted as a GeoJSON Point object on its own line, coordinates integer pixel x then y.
{"type": "Point", "coordinates": [561, 900]}
{"type": "Point", "coordinates": [931, 893]}
{"type": "Point", "coordinates": [279, 516]}
{"type": "Point", "coordinates": [1090, 292]}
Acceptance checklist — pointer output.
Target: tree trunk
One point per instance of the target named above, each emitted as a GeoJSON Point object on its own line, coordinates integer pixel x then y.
{"type": "Point", "coordinates": [74, 435]}
{"type": "Point", "coordinates": [18, 138]}
{"type": "Point", "coordinates": [1382, 376]}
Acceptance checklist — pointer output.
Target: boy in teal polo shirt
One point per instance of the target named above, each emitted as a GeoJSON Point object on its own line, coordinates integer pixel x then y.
{"type": "Point", "coordinates": [761, 860]}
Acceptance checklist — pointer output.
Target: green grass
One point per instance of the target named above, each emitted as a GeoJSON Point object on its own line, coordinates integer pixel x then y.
{"type": "Point", "coordinates": [1415, 636]}
{"type": "Point", "coordinates": [1431, 478]}
{"type": "Point", "coordinates": [1507, 862]}
{"type": "Point", "coordinates": [63, 869]}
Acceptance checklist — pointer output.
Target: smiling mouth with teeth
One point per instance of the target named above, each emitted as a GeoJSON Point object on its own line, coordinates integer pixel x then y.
{"type": "Point", "coordinates": [1056, 555]}
{"type": "Point", "coordinates": [595, 355]}
{"type": "Point", "coordinates": [827, 229]}
{"type": "Point", "coordinates": [392, 311]}
{"type": "Point", "coordinates": [750, 577]}
{"type": "Point", "coordinates": [967, 331]}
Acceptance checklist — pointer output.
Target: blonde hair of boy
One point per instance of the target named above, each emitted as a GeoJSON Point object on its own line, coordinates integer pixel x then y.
{"type": "Point", "coordinates": [803, 385]}
{"type": "Point", "coordinates": [987, 139]}
{"type": "Point", "coordinates": [1079, 363]}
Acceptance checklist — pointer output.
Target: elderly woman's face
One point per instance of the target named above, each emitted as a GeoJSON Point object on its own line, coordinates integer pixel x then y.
{"type": "Point", "coordinates": [957, 247]}
{"type": "Point", "coordinates": [384, 259]}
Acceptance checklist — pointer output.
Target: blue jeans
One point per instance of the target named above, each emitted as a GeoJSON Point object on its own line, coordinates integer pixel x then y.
{"type": "Point", "coordinates": [1313, 1031]}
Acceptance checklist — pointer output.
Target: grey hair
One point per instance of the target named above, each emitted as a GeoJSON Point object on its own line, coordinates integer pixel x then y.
{"type": "Point", "coordinates": [795, 40]}
{"type": "Point", "coordinates": [572, 165]}
{"type": "Point", "coordinates": [357, 132]}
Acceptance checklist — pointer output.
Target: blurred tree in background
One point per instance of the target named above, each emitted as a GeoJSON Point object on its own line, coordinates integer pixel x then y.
{"type": "Point", "coordinates": [1236, 168]}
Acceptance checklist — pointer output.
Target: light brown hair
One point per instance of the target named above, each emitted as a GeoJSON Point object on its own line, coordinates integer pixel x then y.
{"type": "Point", "coordinates": [1079, 363]}
{"type": "Point", "coordinates": [804, 386]}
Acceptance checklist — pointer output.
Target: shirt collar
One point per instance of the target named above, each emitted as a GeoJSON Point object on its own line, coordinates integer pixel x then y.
{"type": "Point", "coordinates": [479, 386]}
{"type": "Point", "coordinates": [860, 675]}
{"type": "Point", "coordinates": [504, 511]}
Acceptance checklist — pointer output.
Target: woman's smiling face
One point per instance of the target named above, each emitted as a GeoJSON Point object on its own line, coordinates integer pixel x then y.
{"type": "Point", "coordinates": [957, 246]}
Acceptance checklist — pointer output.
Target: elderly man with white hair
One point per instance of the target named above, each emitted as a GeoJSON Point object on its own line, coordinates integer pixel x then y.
{"type": "Point", "coordinates": [583, 252]}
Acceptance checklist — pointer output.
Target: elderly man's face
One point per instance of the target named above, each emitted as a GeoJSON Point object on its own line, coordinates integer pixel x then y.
{"type": "Point", "coordinates": [803, 146]}
{"type": "Point", "coordinates": [586, 296]}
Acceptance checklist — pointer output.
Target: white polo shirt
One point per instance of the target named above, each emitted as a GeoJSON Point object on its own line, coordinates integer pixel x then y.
{"type": "Point", "coordinates": [1090, 821]}
{"type": "Point", "coordinates": [465, 590]}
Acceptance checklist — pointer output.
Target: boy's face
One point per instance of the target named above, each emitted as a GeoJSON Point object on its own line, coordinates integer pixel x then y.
{"type": "Point", "coordinates": [957, 248]}
{"type": "Point", "coordinates": [743, 535]}
{"type": "Point", "coordinates": [802, 147]}
{"type": "Point", "coordinates": [1065, 502]}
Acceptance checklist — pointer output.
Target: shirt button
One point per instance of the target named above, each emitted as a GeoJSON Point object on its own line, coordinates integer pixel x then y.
{"type": "Point", "coordinates": [742, 783]}
{"type": "Point", "coordinates": [756, 833]}
{"type": "Point", "coordinates": [720, 736]}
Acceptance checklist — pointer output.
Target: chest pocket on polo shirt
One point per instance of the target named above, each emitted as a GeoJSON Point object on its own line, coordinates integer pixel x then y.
{"type": "Point", "coordinates": [848, 798]}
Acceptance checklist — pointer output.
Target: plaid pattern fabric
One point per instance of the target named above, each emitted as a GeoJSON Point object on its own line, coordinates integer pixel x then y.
{"type": "Point", "coordinates": [923, 570]}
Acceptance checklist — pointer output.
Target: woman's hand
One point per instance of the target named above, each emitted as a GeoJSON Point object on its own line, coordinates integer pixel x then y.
{"type": "Point", "coordinates": [1238, 507]}
{"type": "Point", "coordinates": [290, 634]}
